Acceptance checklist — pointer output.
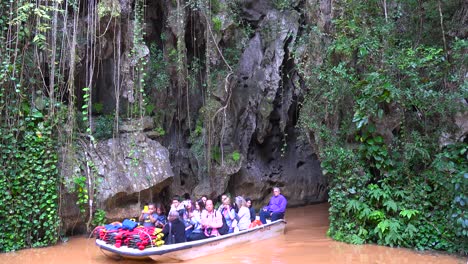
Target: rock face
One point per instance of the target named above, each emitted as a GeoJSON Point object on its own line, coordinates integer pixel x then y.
{"type": "Point", "coordinates": [131, 164]}
{"type": "Point", "coordinates": [263, 118]}
{"type": "Point", "coordinates": [129, 170]}
{"type": "Point", "coordinates": [296, 171]}
{"type": "Point", "coordinates": [244, 122]}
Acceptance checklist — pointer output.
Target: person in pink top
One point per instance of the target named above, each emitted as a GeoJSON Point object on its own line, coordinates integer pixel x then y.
{"type": "Point", "coordinates": [211, 220]}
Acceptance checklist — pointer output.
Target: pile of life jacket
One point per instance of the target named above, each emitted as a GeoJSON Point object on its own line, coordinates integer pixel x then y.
{"type": "Point", "coordinates": [130, 234]}
{"type": "Point", "coordinates": [255, 223]}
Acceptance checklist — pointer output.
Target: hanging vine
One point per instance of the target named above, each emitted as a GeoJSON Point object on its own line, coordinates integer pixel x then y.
{"type": "Point", "coordinates": [29, 118]}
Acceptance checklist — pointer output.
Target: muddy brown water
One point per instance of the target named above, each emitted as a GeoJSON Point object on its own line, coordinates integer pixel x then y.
{"type": "Point", "coordinates": [305, 241]}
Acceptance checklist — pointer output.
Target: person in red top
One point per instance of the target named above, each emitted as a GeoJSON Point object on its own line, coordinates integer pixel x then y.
{"type": "Point", "coordinates": [211, 220]}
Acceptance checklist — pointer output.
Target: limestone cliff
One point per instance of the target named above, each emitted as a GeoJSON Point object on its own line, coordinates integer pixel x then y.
{"type": "Point", "coordinates": [224, 91]}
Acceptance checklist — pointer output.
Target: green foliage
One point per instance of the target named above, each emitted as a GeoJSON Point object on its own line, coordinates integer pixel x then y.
{"type": "Point", "coordinates": [216, 6]}
{"type": "Point", "coordinates": [99, 217]}
{"type": "Point", "coordinates": [197, 147]}
{"type": "Point", "coordinates": [395, 96]}
{"type": "Point", "coordinates": [235, 156]}
{"type": "Point", "coordinates": [28, 182]}
{"type": "Point", "coordinates": [281, 4]}
{"type": "Point", "coordinates": [140, 67]}
{"type": "Point", "coordinates": [232, 55]}
{"type": "Point", "coordinates": [103, 127]}
{"type": "Point", "coordinates": [198, 129]}
{"type": "Point", "coordinates": [85, 107]}
{"type": "Point", "coordinates": [98, 108]}
{"type": "Point", "coordinates": [157, 76]}
{"type": "Point", "coordinates": [149, 109]}
{"type": "Point", "coordinates": [160, 131]}
{"type": "Point", "coordinates": [409, 213]}
{"type": "Point", "coordinates": [81, 189]}
{"type": "Point", "coordinates": [110, 8]}
{"type": "Point", "coordinates": [29, 117]}
{"type": "Point", "coordinates": [217, 23]}
{"type": "Point", "coordinates": [42, 14]}
{"type": "Point", "coordinates": [216, 154]}
{"type": "Point", "coordinates": [452, 163]}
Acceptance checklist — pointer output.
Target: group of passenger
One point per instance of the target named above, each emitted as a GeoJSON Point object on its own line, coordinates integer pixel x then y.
{"type": "Point", "coordinates": [190, 220]}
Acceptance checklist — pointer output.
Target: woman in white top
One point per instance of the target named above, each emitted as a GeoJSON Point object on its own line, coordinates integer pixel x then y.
{"type": "Point", "coordinates": [243, 216]}
{"type": "Point", "coordinates": [197, 232]}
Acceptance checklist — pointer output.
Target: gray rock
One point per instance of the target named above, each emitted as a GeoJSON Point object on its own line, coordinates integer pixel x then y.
{"type": "Point", "coordinates": [262, 98]}
{"type": "Point", "coordinates": [295, 170]}
{"type": "Point", "coordinates": [461, 122]}
{"type": "Point", "coordinates": [130, 164]}
{"type": "Point", "coordinates": [135, 125]}
{"type": "Point", "coordinates": [128, 170]}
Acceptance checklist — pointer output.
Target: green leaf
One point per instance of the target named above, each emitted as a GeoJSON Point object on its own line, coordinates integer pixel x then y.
{"type": "Point", "coordinates": [383, 226]}
{"type": "Point", "coordinates": [409, 213]}
{"type": "Point", "coordinates": [390, 205]}
{"type": "Point", "coordinates": [378, 139]}
{"type": "Point", "coordinates": [353, 205]}
{"type": "Point", "coordinates": [37, 114]}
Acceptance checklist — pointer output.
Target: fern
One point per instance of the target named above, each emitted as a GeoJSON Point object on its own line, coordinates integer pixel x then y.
{"type": "Point", "coordinates": [365, 212]}
{"type": "Point", "coordinates": [353, 205]}
{"type": "Point", "coordinates": [376, 193]}
{"type": "Point", "coordinates": [400, 193]}
{"type": "Point", "coordinates": [409, 213]}
{"type": "Point", "coordinates": [363, 232]}
{"type": "Point", "coordinates": [376, 216]}
{"type": "Point", "coordinates": [411, 230]}
{"type": "Point", "coordinates": [393, 235]}
{"type": "Point", "coordinates": [390, 205]}
{"type": "Point", "coordinates": [356, 240]}
{"type": "Point", "coordinates": [382, 227]}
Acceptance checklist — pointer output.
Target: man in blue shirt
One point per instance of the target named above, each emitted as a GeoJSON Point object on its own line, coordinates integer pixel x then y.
{"type": "Point", "coordinates": [149, 216]}
{"type": "Point", "coordinates": [276, 208]}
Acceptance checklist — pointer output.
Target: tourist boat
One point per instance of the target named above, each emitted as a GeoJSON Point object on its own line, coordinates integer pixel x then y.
{"type": "Point", "coordinates": [195, 249]}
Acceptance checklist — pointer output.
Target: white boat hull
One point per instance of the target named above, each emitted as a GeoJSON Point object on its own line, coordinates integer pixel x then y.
{"type": "Point", "coordinates": [195, 249]}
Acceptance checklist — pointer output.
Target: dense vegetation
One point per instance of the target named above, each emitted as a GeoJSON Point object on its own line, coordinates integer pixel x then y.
{"type": "Point", "coordinates": [28, 179]}
{"type": "Point", "coordinates": [38, 118]}
{"type": "Point", "coordinates": [378, 111]}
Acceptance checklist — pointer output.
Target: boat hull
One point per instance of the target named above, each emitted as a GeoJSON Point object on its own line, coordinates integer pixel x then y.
{"type": "Point", "coordinates": [195, 249]}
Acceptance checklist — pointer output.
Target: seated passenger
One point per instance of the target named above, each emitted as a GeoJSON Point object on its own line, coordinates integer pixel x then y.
{"type": "Point", "coordinates": [228, 213]}
{"type": "Point", "coordinates": [211, 220]}
{"type": "Point", "coordinates": [162, 219]}
{"type": "Point", "coordinates": [197, 232]}
{"type": "Point", "coordinates": [243, 217]}
{"type": "Point", "coordinates": [177, 206]}
{"type": "Point", "coordinates": [187, 216]}
{"type": "Point", "coordinates": [251, 208]}
{"type": "Point", "coordinates": [148, 216]}
{"type": "Point", "coordinates": [203, 198]}
{"type": "Point", "coordinates": [276, 208]}
{"type": "Point", "coordinates": [186, 200]}
{"type": "Point", "coordinates": [174, 230]}
{"type": "Point", "coordinates": [221, 204]}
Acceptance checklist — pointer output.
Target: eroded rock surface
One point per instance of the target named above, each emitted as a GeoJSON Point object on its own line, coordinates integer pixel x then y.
{"type": "Point", "coordinates": [128, 170]}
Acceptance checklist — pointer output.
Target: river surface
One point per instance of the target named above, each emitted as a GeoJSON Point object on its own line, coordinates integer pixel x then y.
{"type": "Point", "coordinates": [305, 241]}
